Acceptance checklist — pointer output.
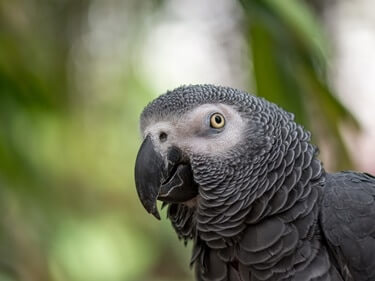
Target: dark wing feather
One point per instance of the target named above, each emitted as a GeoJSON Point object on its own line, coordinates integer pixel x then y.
{"type": "Point", "coordinates": [348, 223]}
{"type": "Point", "coordinates": [213, 268]}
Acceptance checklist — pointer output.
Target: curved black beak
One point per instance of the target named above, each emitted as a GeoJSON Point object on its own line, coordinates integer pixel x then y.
{"type": "Point", "coordinates": [148, 174]}
{"type": "Point", "coordinates": [169, 180]}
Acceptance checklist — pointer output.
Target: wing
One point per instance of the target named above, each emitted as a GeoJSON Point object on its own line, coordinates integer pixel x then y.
{"type": "Point", "coordinates": [215, 264]}
{"type": "Point", "coordinates": [348, 223]}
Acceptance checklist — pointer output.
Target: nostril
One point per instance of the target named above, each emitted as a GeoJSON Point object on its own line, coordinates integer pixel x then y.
{"type": "Point", "coordinates": [163, 137]}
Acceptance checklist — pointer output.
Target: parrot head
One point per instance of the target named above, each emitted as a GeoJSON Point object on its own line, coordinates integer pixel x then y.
{"type": "Point", "coordinates": [200, 144]}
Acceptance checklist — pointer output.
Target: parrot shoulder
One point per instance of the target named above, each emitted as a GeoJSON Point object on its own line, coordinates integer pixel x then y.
{"type": "Point", "coordinates": [348, 223]}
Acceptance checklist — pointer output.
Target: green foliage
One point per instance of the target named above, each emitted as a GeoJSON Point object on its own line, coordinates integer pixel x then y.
{"type": "Point", "coordinates": [289, 56]}
{"type": "Point", "coordinates": [68, 205]}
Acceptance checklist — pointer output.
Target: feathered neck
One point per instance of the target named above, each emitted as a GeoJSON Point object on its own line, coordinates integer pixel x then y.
{"type": "Point", "coordinates": [278, 181]}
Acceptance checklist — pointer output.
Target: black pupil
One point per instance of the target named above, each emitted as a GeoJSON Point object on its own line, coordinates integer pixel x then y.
{"type": "Point", "coordinates": [163, 137]}
{"type": "Point", "coordinates": [218, 119]}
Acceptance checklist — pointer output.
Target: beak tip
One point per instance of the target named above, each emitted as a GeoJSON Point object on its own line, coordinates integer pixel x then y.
{"type": "Point", "coordinates": [151, 207]}
{"type": "Point", "coordinates": [154, 211]}
{"type": "Point", "coordinates": [156, 215]}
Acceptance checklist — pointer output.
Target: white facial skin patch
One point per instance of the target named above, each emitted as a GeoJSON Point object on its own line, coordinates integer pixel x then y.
{"type": "Point", "coordinates": [193, 134]}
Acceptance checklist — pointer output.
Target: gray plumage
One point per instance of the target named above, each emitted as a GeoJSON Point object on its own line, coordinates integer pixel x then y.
{"type": "Point", "coordinates": [265, 208]}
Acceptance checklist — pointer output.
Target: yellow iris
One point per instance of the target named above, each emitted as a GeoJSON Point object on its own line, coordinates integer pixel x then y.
{"type": "Point", "coordinates": [217, 121]}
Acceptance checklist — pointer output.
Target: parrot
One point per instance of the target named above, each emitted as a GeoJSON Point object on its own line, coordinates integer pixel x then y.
{"type": "Point", "coordinates": [242, 181]}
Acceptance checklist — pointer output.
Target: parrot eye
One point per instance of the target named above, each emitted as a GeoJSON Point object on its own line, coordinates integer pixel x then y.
{"type": "Point", "coordinates": [217, 121]}
{"type": "Point", "coordinates": [163, 137]}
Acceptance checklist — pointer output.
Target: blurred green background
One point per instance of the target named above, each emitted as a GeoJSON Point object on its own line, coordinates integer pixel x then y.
{"type": "Point", "coordinates": [74, 77]}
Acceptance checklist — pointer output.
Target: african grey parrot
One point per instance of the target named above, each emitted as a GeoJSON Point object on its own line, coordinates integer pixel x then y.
{"type": "Point", "coordinates": [242, 180]}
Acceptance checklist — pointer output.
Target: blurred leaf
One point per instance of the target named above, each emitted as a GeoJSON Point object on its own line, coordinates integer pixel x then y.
{"type": "Point", "coordinates": [301, 21]}
{"type": "Point", "coordinates": [101, 250]}
{"type": "Point", "coordinates": [289, 55]}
